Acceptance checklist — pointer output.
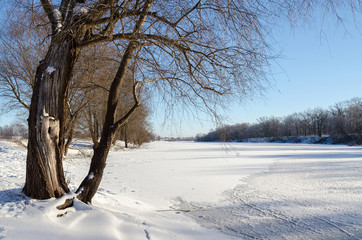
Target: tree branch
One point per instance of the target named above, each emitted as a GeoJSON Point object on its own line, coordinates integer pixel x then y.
{"type": "Point", "coordinates": [53, 14]}
{"type": "Point", "coordinates": [63, 7]}
{"type": "Point", "coordinates": [124, 119]}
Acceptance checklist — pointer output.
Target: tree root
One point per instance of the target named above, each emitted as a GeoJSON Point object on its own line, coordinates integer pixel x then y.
{"type": "Point", "coordinates": [68, 203]}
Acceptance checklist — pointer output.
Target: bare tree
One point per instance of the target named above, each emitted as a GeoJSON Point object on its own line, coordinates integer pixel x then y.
{"type": "Point", "coordinates": [22, 46]}
{"type": "Point", "coordinates": [319, 121]}
{"type": "Point", "coordinates": [354, 116]}
{"type": "Point", "coordinates": [137, 129]}
{"type": "Point", "coordinates": [192, 51]}
{"type": "Point", "coordinates": [93, 74]}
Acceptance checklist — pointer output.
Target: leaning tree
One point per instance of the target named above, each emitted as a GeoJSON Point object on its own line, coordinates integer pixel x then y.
{"type": "Point", "coordinates": [196, 52]}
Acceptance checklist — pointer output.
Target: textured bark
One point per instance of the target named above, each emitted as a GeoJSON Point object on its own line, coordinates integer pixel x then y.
{"type": "Point", "coordinates": [44, 172]}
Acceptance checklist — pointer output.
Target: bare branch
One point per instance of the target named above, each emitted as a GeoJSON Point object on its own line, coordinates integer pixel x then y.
{"type": "Point", "coordinates": [131, 111]}
{"type": "Point", "coordinates": [64, 7]}
{"type": "Point", "coordinates": [54, 15]}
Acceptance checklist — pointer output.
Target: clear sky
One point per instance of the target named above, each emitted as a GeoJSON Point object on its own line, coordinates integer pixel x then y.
{"type": "Point", "coordinates": [316, 70]}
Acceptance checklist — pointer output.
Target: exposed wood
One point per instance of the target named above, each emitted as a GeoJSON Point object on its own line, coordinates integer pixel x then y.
{"type": "Point", "coordinates": [68, 203]}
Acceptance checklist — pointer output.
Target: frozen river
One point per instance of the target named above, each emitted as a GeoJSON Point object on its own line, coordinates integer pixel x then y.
{"type": "Point", "coordinates": [185, 190]}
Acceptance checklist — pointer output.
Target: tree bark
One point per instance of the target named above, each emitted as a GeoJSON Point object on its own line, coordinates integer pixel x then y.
{"type": "Point", "coordinates": [91, 182]}
{"type": "Point", "coordinates": [44, 173]}
{"type": "Point", "coordinates": [69, 138]}
{"type": "Point", "coordinates": [125, 138]}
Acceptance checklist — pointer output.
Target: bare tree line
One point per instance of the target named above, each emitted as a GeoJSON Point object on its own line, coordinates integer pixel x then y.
{"type": "Point", "coordinates": [9, 131]}
{"type": "Point", "coordinates": [343, 120]}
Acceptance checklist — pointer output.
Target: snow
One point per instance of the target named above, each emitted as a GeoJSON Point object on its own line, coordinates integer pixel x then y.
{"type": "Point", "coordinates": [185, 190]}
{"type": "Point", "coordinates": [79, 10]}
{"type": "Point", "coordinates": [58, 18]}
{"type": "Point", "coordinates": [90, 176]}
{"type": "Point", "coordinates": [50, 69]}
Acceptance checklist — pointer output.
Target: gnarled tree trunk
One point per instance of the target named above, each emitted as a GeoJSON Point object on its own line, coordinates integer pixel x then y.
{"type": "Point", "coordinates": [44, 172]}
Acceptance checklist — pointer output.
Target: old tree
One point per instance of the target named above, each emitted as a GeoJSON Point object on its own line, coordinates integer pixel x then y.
{"type": "Point", "coordinates": [196, 52]}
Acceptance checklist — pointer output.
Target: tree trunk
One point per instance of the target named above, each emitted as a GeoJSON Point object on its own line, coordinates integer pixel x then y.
{"type": "Point", "coordinates": [125, 138]}
{"type": "Point", "coordinates": [91, 182]}
{"type": "Point", "coordinates": [93, 127]}
{"type": "Point", "coordinates": [69, 139]}
{"type": "Point", "coordinates": [319, 129]}
{"type": "Point", "coordinates": [44, 171]}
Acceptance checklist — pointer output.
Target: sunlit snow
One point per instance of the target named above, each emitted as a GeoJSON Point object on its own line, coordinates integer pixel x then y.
{"type": "Point", "coordinates": [201, 191]}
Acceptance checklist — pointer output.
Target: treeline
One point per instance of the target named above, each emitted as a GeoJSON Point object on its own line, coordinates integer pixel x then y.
{"type": "Point", "coordinates": [135, 132]}
{"type": "Point", "coordinates": [342, 120]}
{"type": "Point", "coordinates": [9, 131]}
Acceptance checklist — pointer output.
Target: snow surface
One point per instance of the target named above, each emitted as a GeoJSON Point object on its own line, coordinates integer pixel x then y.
{"type": "Point", "coordinates": [185, 190]}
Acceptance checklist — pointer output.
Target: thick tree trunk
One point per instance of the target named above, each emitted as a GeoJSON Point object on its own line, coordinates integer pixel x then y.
{"type": "Point", "coordinates": [91, 182]}
{"type": "Point", "coordinates": [44, 171]}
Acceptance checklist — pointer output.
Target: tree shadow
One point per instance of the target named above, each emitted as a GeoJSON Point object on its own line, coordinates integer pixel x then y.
{"type": "Point", "coordinates": [13, 195]}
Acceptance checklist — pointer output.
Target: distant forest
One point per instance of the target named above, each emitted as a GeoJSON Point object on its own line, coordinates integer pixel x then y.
{"type": "Point", "coordinates": [341, 122]}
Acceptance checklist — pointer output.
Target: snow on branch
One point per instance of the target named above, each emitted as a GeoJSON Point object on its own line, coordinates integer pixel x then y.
{"type": "Point", "coordinates": [80, 9]}
{"type": "Point", "coordinates": [50, 70]}
{"type": "Point", "coordinates": [54, 15]}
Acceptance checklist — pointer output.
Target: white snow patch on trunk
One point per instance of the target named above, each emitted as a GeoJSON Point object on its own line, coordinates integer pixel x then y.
{"type": "Point", "coordinates": [50, 69]}
{"type": "Point", "coordinates": [58, 18]}
{"type": "Point", "coordinates": [90, 176]}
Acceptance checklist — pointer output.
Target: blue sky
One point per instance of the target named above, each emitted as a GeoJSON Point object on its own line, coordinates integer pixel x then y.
{"type": "Point", "coordinates": [317, 69]}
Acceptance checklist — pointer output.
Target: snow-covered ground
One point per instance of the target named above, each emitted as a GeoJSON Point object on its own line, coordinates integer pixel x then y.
{"type": "Point", "coordinates": [185, 190]}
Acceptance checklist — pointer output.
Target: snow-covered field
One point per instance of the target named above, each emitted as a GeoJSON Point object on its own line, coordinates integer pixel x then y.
{"type": "Point", "coordinates": [201, 191]}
